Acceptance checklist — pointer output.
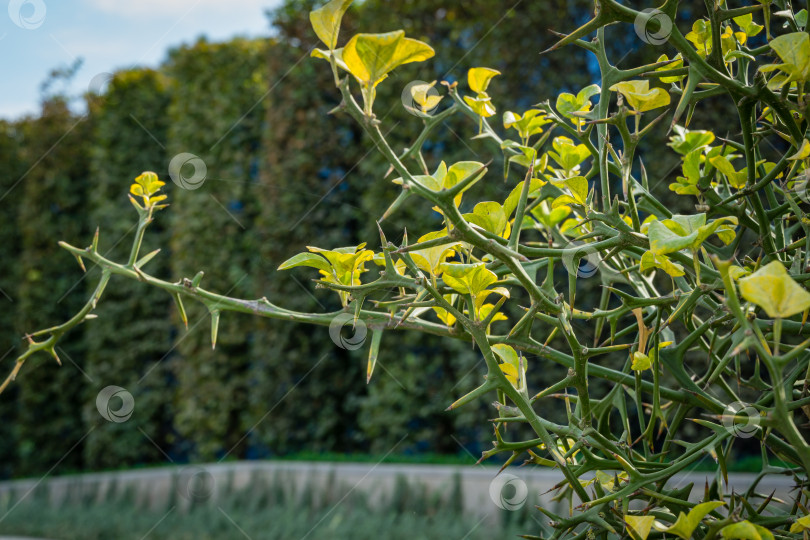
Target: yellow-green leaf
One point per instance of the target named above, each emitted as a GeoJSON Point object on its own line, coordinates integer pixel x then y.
{"type": "Point", "coordinates": [481, 105]}
{"type": "Point", "coordinates": [639, 526]}
{"type": "Point", "coordinates": [685, 141]}
{"type": "Point", "coordinates": [574, 107]}
{"type": "Point", "coordinates": [745, 530]}
{"type": "Point", "coordinates": [686, 524]}
{"type": "Point", "coordinates": [640, 362]}
{"type": "Point", "coordinates": [567, 154]}
{"type": "Point", "coordinates": [737, 179]}
{"type": "Point", "coordinates": [772, 289]}
{"type": "Point", "coordinates": [677, 63]}
{"type": "Point", "coordinates": [306, 259]}
{"type": "Point", "coordinates": [682, 232]}
{"type": "Point", "coordinates": [794, 50]}
{"type": "Point", "coordinates": [326, 21]}
{"type": "Point", "coordinates": [490, 216]}
{"type": "Point", "coordinates": [652, 260]}
{"type": "Point", "coordinates": [422, 96]}
{"type": "Point", "coordinates": [803, 152]}
{"type": "Point", "coordinates": [445, 316]}
{"type": "Point", "coordinates": [468, 278]}
{"type": "Point", "coordinates": [529, 123]}
{"type": "Point", "coordinates": [640, 96]}
{"type": "Point", "coordinates": [431, 259]}
{"type": "Point", "coordinates": [370, 57]}
{"type": "Point", "coordinates": [800, 525]}
{"type": "Point", "coordinates": [478, 78]}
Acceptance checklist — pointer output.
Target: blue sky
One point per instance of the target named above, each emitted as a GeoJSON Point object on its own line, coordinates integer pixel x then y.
{"type": "Point", "coordinates": [39, 35]}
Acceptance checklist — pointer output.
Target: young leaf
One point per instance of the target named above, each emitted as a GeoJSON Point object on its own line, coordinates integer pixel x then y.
{"type": "Point", "coordinates": [469, 279]}
{"type": "Point", "coordinates": [574, 107]}
{"type": "Point", "coordinates": [567, 154]}
{"type": "Point", "coordinates": [529, 123]}
{"type": "Point", "coordinates": [640, 96]}
{"type": "Point", "coordinates": [478, 78]}
{"type": "Point", "coordinates": [326, 21]}
{"type": "Point", "coordinates": [737, 179]}
{"type": "Point", "coordinates": [511, 363]}
{"type": "Point", "coordinates": [772, 289]}
{"type": "Point", "coordinates": [745, 530]}
{"type": "Point", "coordinates": [685, 141]}
{"type": "Point", "coordinates": [639, 526]}
{"type": "Point", "coordinates": [421, 96]}
{"type": "Point", "coordinates": [800, 525]}
{"type": "Point", "coordinates": [370, 57]}
{"type": "Point", "coordinates": [490, 216]}
{"type": "Point", "coordinates": [431, 259]}
{"type": "Point", "coordinates": [306, 259]}
{"type": "Point", "coordinates": [686, 524]}
{"type": "Point", "coordinates": [794, 50]}
{"type": "Point", "coordinates": [640, 362]}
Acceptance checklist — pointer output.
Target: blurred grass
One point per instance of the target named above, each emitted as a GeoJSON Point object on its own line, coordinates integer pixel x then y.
{"type": "Point", "coordinates": [266, 509]}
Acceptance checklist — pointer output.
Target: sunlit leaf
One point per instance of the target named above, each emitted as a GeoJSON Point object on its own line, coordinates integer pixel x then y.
{"type": "Point", "coordinates": [510, 363]}
{"type": "Point", "coordinates": [445, 316]}
{"type": "Point", "coordinates": [431, 259]}
{"type": "Point", "coordinates": [478, 78]}
{"type": "Point", "coordinates": [640, 362]}
{"type": "Point", "coordinates": [686, 524]}
{"type": "Point", "coordinates": [652, 260]}
{"type": "Point", "coordinates": [685, 141]}
{"type": "Point", "coordinates": [370, 57]}
{"type": "Point", "coordinates": [573, 107]}
{"type": "Point", "coordinates": [639, 526]}
{"type": "Point", "coordinates": [578, 187]}
{"type": "Point", "coordinates": [490, 216]}
{"type": "Point", "coordinates": [306, 259]}
{"type": "Point", "coordinates": [422, 96]}
{"type": "Point", "coordinates": [567, 154]}
{"type": "Point", "coordinates": [640, 96]}
{"type": "Point", "coordinates": [468, 278]}
{"type": "Point", "coordinates": [678, 63]}
{"type": "Point", "coordinates": [326, 21]}
{"type": "Point", "coordinates": [772, 289]}
{"type": "Point", "coordinates": [701, 36]}
{"type": "Point", "coordinates": [529, 123]}
{"type": "Point", "coordinates": [794, 50]}
{"type": "Point", "coordinates": [747, 24]}
{"type": "Point", "coordinates": [745, 530]}
{"type": "Point", "coordinates": [737, 179]}
{"type": "Point", "coordinates": [800, 525]}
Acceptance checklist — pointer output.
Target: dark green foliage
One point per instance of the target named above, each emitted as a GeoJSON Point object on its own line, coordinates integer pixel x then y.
{"type": "Point", "coordinates": [54, 193]}
{"type": "Point", "coordinates": [12, 166]}
{"type": "Point", "coordinates": [216, 113]}
{"type": "Point", "coordinates": [130, 132]}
